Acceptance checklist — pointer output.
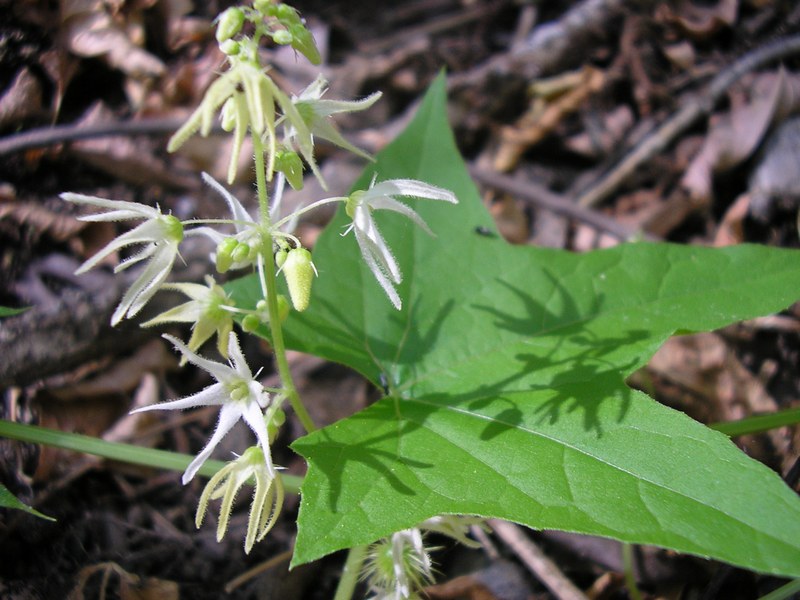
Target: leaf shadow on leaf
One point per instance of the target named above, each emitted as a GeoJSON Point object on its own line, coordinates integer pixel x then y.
{"type": "Point", "coordinates": [385, 356]}
{"type": "Point", "coordinates": [578, 355]}
{"type": "Point", "coordinates": [364, 451]}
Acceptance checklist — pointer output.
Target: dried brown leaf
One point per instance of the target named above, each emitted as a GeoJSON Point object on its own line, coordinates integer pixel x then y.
{"type": "Point", "coordinates": [543, 117]}
{"type": "Point", "coordinates": [734, 136]}
{"type": "Point", "coordinates": [42, 220]}
{"type": "Point", "coordinates": [92, 30]}
{"type": "Point", "coordinates": [128, 159]}
{"type": "Point", "coordinates": [700, 20]}
{"type": "Point", "coordinates": [22, 99]}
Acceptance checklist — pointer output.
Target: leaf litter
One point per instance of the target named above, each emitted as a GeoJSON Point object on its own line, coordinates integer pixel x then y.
{"type": "Point", "coordinates": [732, 182]}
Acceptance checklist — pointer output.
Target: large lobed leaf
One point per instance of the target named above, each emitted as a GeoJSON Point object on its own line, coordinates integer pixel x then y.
{"type": "Point", "coordinates": [506, 373]}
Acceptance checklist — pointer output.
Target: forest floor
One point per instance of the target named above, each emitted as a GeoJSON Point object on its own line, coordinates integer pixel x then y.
{"type": "Point", "coordinates": [584, 124]}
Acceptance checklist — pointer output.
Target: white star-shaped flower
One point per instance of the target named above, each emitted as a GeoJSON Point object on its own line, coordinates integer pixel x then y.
{"type": "Point", "coordinates": [161, 235]}
{"type": "Point", "coordinates": [236, 391]}
{"type": "Point", "coordinates": [316, 121]}
{"type": "Point", "coordinates": [376, 253]}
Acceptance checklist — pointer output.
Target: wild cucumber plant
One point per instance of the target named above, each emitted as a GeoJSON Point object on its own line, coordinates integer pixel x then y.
{"type": "Point", "coordinates": [503, 367]}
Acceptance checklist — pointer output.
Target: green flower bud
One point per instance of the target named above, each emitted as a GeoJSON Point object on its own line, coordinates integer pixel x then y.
{"type": "Point", "coordinates": [250, 323]}
{"type": "Point", "coordinates": [229, 24]}
{"type": "Point", "coordinates": [241, 252]}
{"type": "Point", "coordinates": [282, 37]}
{"type": "Point", "coordinates": [274, 424]}
{"type": "Point", "coordinates": [266, 7]}
{"type": "Point", "coordinates": [289, 163]}
{"type": "Point", "coordinates": [287, 14]}
{"type": "Point", "coordinates": [304, 43]}
{"type": "Point", "coordinates": [280, 256]}
{"type": "Point", "coordinates": [230, 47]}
{"type": "Point", "coordinates": [225, 254]}
{"type": "Point", "coordinates": [299, 272]}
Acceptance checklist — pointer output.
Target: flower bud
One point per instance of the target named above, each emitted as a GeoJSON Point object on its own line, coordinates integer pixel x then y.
{"type": "Point", "coordinates": [304, 43]}
{"type": "Point", "coordinates": [241, 252]}
{"type": "Point", "coordinates": [230, 47]}
{"type": "Point", "coordinates": [280, 256]}
{"type": "Point", "coordinates": [230, 23]}
{"type": "Point", "coordinates": [282, 37]}
{"type": "Point", "coordinates": [287, 14]}
{"type": "Point", "coordinates": [299, 272]}
{"type": "Point", "coordinates": [266, 7]}
{"type": "Point", "coordinates": [225, 254]}
{"type": "Point", "coordinates": [274, 424]}
{"type": "Point", "coordinates": [250, 323]}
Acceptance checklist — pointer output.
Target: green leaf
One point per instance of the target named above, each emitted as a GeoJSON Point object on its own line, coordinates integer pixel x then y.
{"type": "Point", "coordinates": [506, 373]}
{"type": "Point", "coordinates": [9, 500]}
{"type": "Point", "coordinates": [7, 311]}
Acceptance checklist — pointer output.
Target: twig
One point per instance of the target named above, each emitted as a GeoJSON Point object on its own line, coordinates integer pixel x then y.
{"type": "Point", "coordinates": [240, 580]}
{"type": "Point", "coordinates": [540, 565]}
{"type": "Point", "coordinates": [558, 204]}
{"type": "Point", "coordinates": [687, 116]}
{"type": "Point", "coordinates": [47, 136]}
{"type": "Point", "coordinates": [432, 27]}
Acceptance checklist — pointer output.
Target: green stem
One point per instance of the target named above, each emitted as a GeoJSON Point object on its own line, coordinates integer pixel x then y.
{"type": "Point", "coordinates": [278, 346]}
{"type": "Point", "coordinates": [350, 573]}
{"type": "Point", "coordinates": [759, 423]}
{"type": "Point", "coordinates": [630, 579]}
{"type": "Point", "coordinates": [149, 457]}
{"type": "Point", "coordinates": [783, 592]}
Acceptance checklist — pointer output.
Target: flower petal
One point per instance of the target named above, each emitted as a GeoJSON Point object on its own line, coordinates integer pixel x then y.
{"type": "Point", "coordinates": [253, 416]}
{"type": "Point", "coordinates": [240, 214]}
{"type": "Point", "coordinates": [388, 203]}
{"type": "Point", "coordinates": [228, 416]}
{"type": "Point", "coordinates": [370, 239]}
{"type": "Point", "coordinates": [213, 395]}
{"type": "Point", "coordinates": [220, 372]}
{"type": "Point", "coordinates": [120, 209]}
{"type": "Point", "coordinates": [377, 270]}
{"type": "Point", "coordinates": [413, 188]}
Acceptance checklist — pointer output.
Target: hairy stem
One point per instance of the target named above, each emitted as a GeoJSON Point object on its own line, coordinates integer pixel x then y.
{"type": "Point", "coordinates": [350, 572]}
{"type": "Point", "coordinates": [268, 273]}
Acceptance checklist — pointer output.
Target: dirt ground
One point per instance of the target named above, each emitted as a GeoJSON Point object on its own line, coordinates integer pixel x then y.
{"type": "Point", "coordinates": [584, 124]}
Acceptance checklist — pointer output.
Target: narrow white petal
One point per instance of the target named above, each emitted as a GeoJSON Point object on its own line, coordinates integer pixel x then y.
{"type": "Point", "coordinates": [213, 395]}
{"type": "Point", "coordinates": [314, 90]}
{"type": "Point", "coordinates": [141, 234]}
{"type": "Point", "coordinates": [370, 239]}
{"type": "Point", "coordinates": [379, 273]}
{"type": "Point", "coordinates": [136, 210]}
{"type": "Point", "coordinates": [325, 108]}
{"type": "Point", "coordinates": [228, 416]}
{"type": "Point", "coordinates": [253, 416]}
{"type": "Point", "coordinates": [387, 203]}
{"type": "Point", "coordinates": [153, 276]}
{"type": "Point", "coordinates": [144, 254]}
{"type": "Point", "coordinates": [413, 188]}
{"type": "Point", "coordinates": [237, 210]}
{"type": "Point", "coordinates": [220, 372]}
{"type": "Point", "coordinates": [239, 362]}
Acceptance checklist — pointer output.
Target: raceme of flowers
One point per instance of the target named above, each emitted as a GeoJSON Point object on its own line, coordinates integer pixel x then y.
{"type": "Point", "coordinates": [283, 128]}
